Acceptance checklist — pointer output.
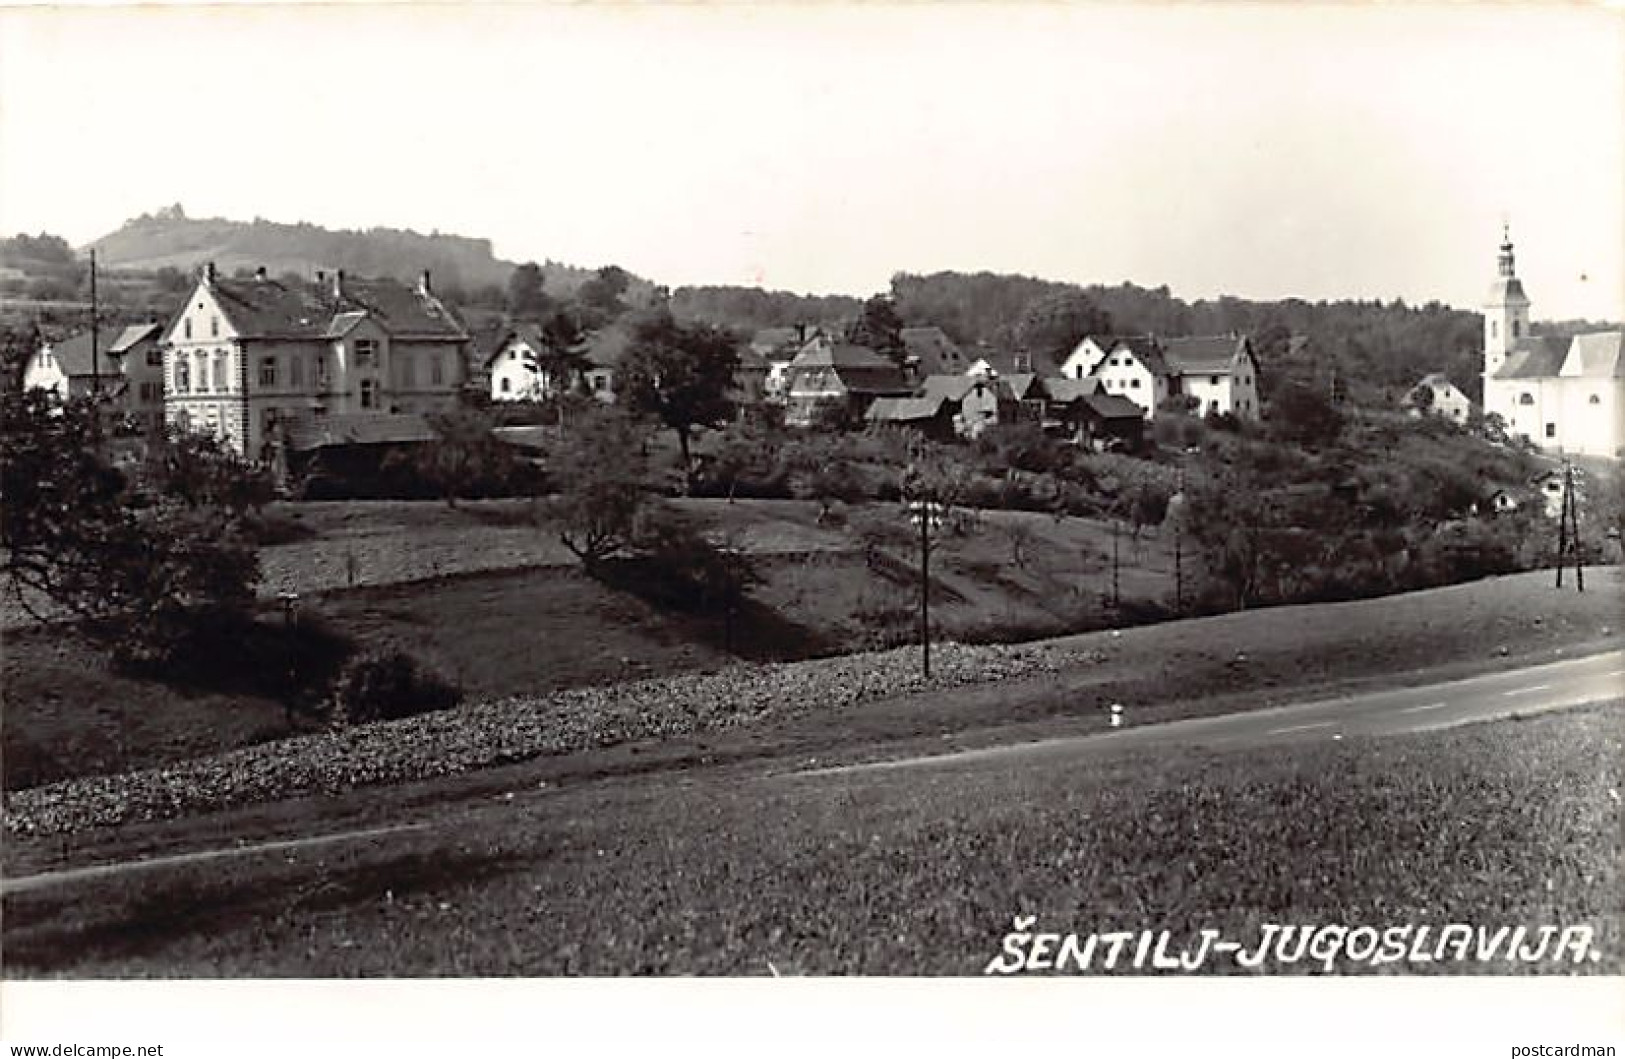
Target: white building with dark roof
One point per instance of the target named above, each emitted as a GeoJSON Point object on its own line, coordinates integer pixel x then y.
{"type": "Point", "coordinates": [244, 357]}
{"type": "Point", "coordinates": [1563, 394]}
{"type": "Point", "coordinates": [126, 367]}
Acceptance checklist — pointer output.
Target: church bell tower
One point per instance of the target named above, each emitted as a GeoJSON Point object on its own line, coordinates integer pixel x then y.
{"type": "Point", "coordinates": [1506, 312]}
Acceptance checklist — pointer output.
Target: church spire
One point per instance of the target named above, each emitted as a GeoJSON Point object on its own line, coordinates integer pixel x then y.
{"type": "Point", "coordinates": [1506, 251]}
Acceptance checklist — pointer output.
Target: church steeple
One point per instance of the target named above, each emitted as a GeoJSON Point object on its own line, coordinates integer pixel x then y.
{"type": "Point", "coordinates": [1506, 310]}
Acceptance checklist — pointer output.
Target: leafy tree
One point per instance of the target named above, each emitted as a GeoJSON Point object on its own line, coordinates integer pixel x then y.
{"type": "Point", "coordinates": [1055, 323]}
{"type": "Point", "coordinates": [599, 471]}
{"type": "Point", "coordinates": [141, 561]}
{"type": "Point", "coordinates": [681, 375]}
{"type": "Point", "coordinates": [602, 298]}
{"type": "Point", "coordinates": [464, 455]}
{"type": "Point", "coordinates": [879, 328]}
{"type": "Point", "coordinates": [1304, 415]}
{"type": "Point", "coordinates": [526, 298]}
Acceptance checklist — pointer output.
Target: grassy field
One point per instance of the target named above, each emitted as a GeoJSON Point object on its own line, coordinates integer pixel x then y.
{"type": "Point", "coordinates": [498, 606]}
{"type": "Point", "coordinates": [728, 872]}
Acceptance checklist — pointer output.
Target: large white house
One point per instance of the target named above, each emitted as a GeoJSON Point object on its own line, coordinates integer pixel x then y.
{"type": "Point", "coordinates": [244, 356]}
{"type": "Point", "coordinates": [1564, 394]}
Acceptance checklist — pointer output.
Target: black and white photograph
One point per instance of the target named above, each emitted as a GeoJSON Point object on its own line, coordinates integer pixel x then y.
{"type": "Point", "coordinates": [536, 493]}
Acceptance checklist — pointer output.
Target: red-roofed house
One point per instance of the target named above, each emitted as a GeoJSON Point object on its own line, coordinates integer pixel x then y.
{"type": "Point", "coordinates": [245, 355]}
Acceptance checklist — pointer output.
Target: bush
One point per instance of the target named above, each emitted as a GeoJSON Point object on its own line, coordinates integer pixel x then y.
{"type": "Point", "coordinates": [387, 687]}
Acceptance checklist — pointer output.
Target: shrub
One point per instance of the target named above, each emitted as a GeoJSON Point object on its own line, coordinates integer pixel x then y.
{"type": "Point", "coordinates": [387, 687]}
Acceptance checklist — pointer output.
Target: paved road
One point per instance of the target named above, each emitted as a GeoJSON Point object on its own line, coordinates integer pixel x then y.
{"type": "Point", "coordinates": [1532, 689]}
{"type": "Point", "coordinates": [1522, 692]}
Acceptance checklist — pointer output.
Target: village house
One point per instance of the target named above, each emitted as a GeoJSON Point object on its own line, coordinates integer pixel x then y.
{"type": "Point", "coordinates": [1436, 395]}
{"type": "Point", "coordinates": [244, 356]}
{"type": "Point", "coordinates": [832, 373]}
{"type": "Point", "coordinates": [518, 366]}
{"type": "Point", "coordinates": [1563, 394]}
{"type": "Point", "coordinates": [128, 361]}
{"type": "Point", "coordinates": [928, 351]}
{"type": "Point", "coordinates": [1209, 375]}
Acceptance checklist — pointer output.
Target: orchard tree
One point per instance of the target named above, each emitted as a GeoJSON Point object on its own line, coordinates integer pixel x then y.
{"type": "Point", "coordinates": [599, 473]}
{"type": "Point", "coordinates": [141, 561]}
{"type": "Point", "coordinates": [681, 374]}
{"type": "Point", "coordinates": [464, 455]}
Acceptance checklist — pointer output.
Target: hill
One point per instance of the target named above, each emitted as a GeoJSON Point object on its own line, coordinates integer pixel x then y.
{"type": "Point", "coordinates": [170, 239]}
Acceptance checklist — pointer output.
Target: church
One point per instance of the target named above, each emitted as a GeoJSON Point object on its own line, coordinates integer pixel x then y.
{"type": "Point", "coordinates": [1565, 394]}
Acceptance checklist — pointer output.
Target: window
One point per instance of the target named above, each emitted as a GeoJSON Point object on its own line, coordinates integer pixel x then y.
{"type": "Point", "coordinates": [268, 421]}
{"type": "Point", "coordinates": [1526, 398]}
{"type": "Point", "coordinates": [1551, 430]}
{"type": "Point", "coordinates": [507, 384]}
{"type": "Point", "coordinates": [183, 418]}
{"type": "Point", "coordinates": [408, 371]}
{"type": "Point", "coordinates": [220, 372]}
{"type": "Point", "coordinates": [437, 370]}
{"type": "Point", "coordinates": [202, 373]}
{"type": "Point", "coordinates": [150, 391]}
{"type": "Point", "coordinates": [513, 354]}
{"type": "Point", "coordinates": [155, 357]}
{"type": "Point", "coordinates": [321, 369]}
{"type": "Point", "coordinates": [214, 327]}
{"type": "Point", "coordinates": [1495, 329]}
{"type": "Point", "coordinates": [1213, 379]}
{"type": "Point", "coordinates": [1516, 326]}
{"type": "Point", "coordinates": [1134, 384]}
{"type": "Point", "coordinates": [1595, 399]}
{"type": "Point", "coordinates": [267, 371]}
{"type": "Point", "coordinates": [598, 382]}
{"type": "Point", "coordinates": [186, 327]}
{"type": "Point", "coordinates": [365, 350]}
{"type": "Point", "coordinates": [369, 393]}
{"type": "Point", "coordinates": [183, 376]}
{"type": "Point", "coordinates": [296, 371]}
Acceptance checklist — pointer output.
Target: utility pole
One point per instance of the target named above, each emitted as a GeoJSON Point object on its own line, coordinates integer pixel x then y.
{"type": "Point", "coordinates": [927, 514]}
{"type": "Point", "coordinates": [1568, 531]}
{"type": "Point", "coordinates": [95, 354]}
{"type": "Point", "coordinates": [1179, 550]}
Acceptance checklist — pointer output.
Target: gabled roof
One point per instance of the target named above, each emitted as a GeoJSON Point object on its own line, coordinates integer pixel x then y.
{"type": "Point", "coordinates": [1535, 357]}
{"type": "Point", "coordinates": [1007, 362]}
{"type": "Point", "coordinates": [1436, 381]}
{"type": "Point", "coordinates": [933, 351]}
{"type": "Point", "coordinates": [1201, 355]}
{"type": "Point", "coordinates": [1143, 349]}
{"type": "Point", "coordinates": [132, 336]}
{"type": "Point", "coordinates": [1112, 406]}
{"type": "Point", "coordinates": [904, 409]}
{"type": "Point", "coordinates": [1599, 355]}
{"type": "Point", "coordinates": [947, 387]}
{"type": "Point", "coordinates": [1066, 391]}
{"type": "Point", "coordinates": [779, 343]}
{"type": "Point", "coordinates": [267, 308]}
{"type": "Point", "coordinates": [357, 428]}
{"type": "Point", "coordinates": [73, 356]}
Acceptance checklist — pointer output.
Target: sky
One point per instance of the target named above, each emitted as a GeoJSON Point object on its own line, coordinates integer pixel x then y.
{"type": "Point", "coordinates": [1265, 151]}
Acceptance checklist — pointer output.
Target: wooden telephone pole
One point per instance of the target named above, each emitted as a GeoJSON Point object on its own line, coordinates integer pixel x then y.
{"type": "Point", "coordinates": [1568, 532]}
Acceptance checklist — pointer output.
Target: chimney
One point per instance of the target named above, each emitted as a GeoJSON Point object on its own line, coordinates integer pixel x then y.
{"type": "Point", "coordinates": [259, 273]}
{"type": "Point", "coordinates": [338, 283]}
{"type": "Point", "coordinates": [423, 284]}
{"type": "Point", "coordinates": [208, 273]}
